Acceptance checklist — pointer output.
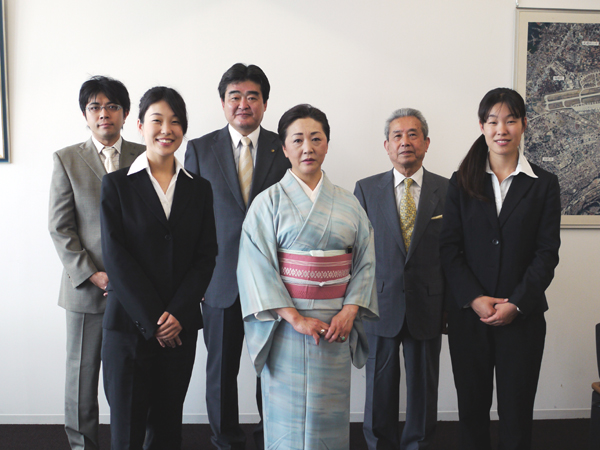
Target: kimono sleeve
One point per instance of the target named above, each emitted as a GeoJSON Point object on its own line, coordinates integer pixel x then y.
{"type": "Point", "coordinates": [260, 285]}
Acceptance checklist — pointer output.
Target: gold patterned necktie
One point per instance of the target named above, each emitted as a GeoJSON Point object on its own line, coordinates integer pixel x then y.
{"type": "Point", "coordinates": [408, 213]}
{"type": "Point", "coordinates": [109, 163]}
{"type": "Point", "coordinates": [245, 168]}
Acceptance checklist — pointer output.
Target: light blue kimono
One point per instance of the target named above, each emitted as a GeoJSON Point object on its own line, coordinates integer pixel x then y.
{"type": "Point", "coordinates": [306, 388]}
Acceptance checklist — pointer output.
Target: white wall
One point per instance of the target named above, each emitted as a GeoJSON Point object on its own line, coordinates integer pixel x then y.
{"type": "Point", "coordinates": [357, 60]}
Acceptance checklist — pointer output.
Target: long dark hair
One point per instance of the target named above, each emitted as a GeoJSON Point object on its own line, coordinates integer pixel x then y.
{"type": "Point", "coordinates": [471, 172]}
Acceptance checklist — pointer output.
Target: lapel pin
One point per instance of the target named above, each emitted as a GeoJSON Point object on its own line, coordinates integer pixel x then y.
{"type": "Point", "coordinates": [272, 150]}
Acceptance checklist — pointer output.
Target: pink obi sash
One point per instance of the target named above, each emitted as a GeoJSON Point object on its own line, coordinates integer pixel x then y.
{"type": "Point", "coordinates": [315, 277]}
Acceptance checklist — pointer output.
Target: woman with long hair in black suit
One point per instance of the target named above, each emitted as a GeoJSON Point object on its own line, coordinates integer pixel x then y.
{"type": "Point", "coordinates": [499, 248]}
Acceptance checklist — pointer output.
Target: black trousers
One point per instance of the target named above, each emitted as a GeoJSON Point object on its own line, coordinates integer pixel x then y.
{"type": "Point", "coordinates": [514, 352]}
{"type": "Point", "coordinates": [145, 385]}
{"type": "Point", "coordinates": [224, 338]}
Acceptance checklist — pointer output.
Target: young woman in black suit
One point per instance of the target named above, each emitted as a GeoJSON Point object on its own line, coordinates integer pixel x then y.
{"type": "Point", "coordinates": [159, 247]}
{"type": "Point", "coordinates": [499, 247]}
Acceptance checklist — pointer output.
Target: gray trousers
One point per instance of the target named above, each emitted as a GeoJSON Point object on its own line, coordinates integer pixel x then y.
{"type": "Point", "coordinates": [84, 342]}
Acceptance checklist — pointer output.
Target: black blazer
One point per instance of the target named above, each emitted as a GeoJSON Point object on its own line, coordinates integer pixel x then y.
{"type": "Point", "coordinates": [211, 157]}
{"type": "Point", "coordinates": [508, 256]}
{"type": "Point", "coordinates": [409, 283]}
{"type": "Point", "coordinates": [154, 264]}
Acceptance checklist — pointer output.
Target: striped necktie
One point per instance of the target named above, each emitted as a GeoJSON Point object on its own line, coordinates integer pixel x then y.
{"type": "Point", "coordinates": [408, 213]}
{"type": "Point", "coordinates": [245, 168]}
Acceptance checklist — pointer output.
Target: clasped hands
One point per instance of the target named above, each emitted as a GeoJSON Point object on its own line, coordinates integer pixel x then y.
{"type": "Point", "coordinates": [169, 327]}
{"type": "Point", "coordinates": [336, 331]}
{"type": "Point", "coordinates": [494, 311]}
{"type": "Point", "coordinates": [168, 331]}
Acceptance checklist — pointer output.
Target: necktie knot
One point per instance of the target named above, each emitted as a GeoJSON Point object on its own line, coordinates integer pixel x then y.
{"type": "Point", "coordinates": [109, 155]}
{"type": "Point", "coordinates": [246, 141]}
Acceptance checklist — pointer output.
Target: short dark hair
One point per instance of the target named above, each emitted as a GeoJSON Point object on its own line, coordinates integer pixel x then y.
{"type": "Point", "coordinates": [240, 72]}
{"type": "Point", "coordinates": [303, 111]}
{"type": "Point", "coordinates": [114, 90]}
{"type": "Point", "coordinates": [169, 95]}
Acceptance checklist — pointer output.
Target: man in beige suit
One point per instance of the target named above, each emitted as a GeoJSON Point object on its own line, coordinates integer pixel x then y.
{"type": "Point", "coordinates": [74, 224]}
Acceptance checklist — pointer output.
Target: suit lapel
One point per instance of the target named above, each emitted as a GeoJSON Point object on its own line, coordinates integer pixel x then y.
{"type": "Point", "coordinates": [183, 195]}
{"type": "Point", "coordinates": [519, 186]}
{"type": "Point", "coordinates": [428, 200]}
{"type": "Point", "coordinates": [221, 148]}
{"type": "Point", "coordinates": [489, 208]}
{"type": "Point", "coordinates": [265, 155]}
{"type": "Point", "coordinates": [89, 153]}
{"type": "Point", "coordinates": [389, 208]}
{"type": "Point", "coordinates": [141, 183]}
{"type": "Point", "coordinates": [127, 155]}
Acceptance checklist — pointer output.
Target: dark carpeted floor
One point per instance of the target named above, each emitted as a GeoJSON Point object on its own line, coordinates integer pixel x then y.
{"type": "Point", "coordinates": [570, 434]}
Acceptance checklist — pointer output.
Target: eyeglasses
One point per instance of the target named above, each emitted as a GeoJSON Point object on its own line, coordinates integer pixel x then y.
{"type": "Point", "coordinates": [95, 109]}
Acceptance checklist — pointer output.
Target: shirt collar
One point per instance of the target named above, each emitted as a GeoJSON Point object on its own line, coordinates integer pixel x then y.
{"type": "Point", "coordinates": [523, 166]}
{"type": "Point", "coordinates": [236, 136]}
{"type": "Point", "coordinates": [99, 145]}
{"type": "Point", "coordinates": [141, 163]}
{"type": "Point", "coordinates": [417, 177]}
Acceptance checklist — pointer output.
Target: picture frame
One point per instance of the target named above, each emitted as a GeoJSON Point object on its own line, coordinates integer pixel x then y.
{"type": "Point", "coordinates": [557, 71]}
{"type": "Point", "coordinates": [4, 135]}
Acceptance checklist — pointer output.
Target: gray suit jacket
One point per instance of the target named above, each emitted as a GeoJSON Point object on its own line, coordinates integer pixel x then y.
{"type": "Point", "coordinates": [409, 284]}
{"type": "Point", "coordinates": [74, 221]}
{"type": "Point", "coordinates": [211, 157]}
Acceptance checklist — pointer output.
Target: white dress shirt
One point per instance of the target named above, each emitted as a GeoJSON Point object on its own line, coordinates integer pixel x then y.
{"type": "Point", "coordinates": [415, 188]}
{"type": "Point", "coordinates": [166, 198]}
{"type": "Point", "coordinates": [501, 189]}
{"type": "Point", "coordinates": [236, 145]}
{"type": "Point", "coordinates": [117, 146]}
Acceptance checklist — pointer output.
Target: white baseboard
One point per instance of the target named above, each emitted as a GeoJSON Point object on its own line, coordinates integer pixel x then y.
{"type": "Point", "coordinates": [57, 419]}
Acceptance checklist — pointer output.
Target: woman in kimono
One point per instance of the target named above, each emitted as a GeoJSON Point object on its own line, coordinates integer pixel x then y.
{"type": "Point", "coordinates": [159, 248]}
{"type": "Point", "coordinates": [498, 247]}
{"type": "Point", "coordinates": [306, 276]}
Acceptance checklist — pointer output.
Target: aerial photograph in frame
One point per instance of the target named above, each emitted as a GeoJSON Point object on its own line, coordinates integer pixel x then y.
{"type": "Point", "coordinates": [562, 92]}
{"type": "Point", "coordinates": [4, 141]}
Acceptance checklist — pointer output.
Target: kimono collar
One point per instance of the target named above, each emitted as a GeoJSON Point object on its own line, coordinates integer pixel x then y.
{"type": "Point", "coordinates": [310, 193]}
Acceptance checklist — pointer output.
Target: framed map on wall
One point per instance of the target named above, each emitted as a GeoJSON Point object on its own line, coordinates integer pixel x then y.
{"type": "Point", "coordinates": [4, 141]}
{"type": "Point", "coordinates": [557, 70]}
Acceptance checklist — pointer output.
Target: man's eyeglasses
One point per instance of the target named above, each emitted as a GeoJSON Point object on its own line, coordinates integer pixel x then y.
{"type": "Point", "coordinates": [95, 109]}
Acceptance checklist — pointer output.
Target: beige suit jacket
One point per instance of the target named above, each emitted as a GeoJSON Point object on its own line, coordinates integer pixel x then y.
{"type": "Point", "coordinates": [74, 221]}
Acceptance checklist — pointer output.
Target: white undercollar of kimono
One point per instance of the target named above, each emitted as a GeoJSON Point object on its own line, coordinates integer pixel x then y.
{"type": "Point", "coordinates": [311, 194]}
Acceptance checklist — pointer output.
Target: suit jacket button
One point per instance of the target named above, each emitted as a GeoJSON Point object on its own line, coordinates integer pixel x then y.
{"type": "Point", "coordinates": [168, 237]}
{"type": "Point", "coordinates": [495, 241]}
{"type": "Point", "coordinates": [142, 329]}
